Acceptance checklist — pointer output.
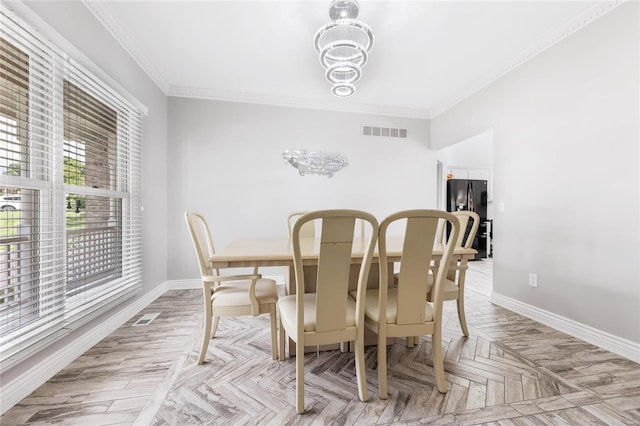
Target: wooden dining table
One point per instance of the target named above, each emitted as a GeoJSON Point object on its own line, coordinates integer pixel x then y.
{"type": "Point", "coordinates": [252, 252]}
{"type": "Point", "coordinates": [257, 252]}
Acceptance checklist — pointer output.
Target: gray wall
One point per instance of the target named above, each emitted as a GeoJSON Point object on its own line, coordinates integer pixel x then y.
{"type": "Point", "coordinates": [566, 166]}
{"type": "Point", "coordinates": [226, 162]}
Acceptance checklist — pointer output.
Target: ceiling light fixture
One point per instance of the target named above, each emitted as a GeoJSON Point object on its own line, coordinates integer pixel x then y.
{"type": "Point", "coordinates": [343, 45]}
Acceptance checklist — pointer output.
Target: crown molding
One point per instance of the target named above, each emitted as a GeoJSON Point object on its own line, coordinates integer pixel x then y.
{"type": "Point", "coordinates": [127, 43]}
{"type": "Point", "coordinates": [598, 10]}
{"type": "Point", "coordinates": [331, 105]}
{"type": "Point", "coordinates": [130, 46]}
{"type": "Point", "coordinates": [553, 38]}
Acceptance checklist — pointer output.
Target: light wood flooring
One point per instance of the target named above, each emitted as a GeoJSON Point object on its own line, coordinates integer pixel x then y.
{"type": "Point", "coordinates": [511, 371]}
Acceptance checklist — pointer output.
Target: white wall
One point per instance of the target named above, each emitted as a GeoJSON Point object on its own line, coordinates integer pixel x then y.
{"type": "Point", "coordinates": [566, 166]}
{"type": "Point", "coordinates": [226, 162]}
{"type": "Point", "coordinates": [475, 152]}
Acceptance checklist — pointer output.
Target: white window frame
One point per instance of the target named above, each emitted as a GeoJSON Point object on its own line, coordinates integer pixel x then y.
{"type": "Point", "coordinates": [36, 335]}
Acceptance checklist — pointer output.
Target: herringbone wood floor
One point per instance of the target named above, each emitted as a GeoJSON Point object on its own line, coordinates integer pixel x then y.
{"type": "Point", "coordinates": [511, 371]}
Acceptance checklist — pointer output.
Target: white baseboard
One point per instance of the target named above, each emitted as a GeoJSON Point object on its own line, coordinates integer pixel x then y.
{"type": "Point", "coordinates": [604, 340]}
{"type": "Point", "coordinates": [47, 367]}
{"type": "Point", "coordinates": [194, 284]}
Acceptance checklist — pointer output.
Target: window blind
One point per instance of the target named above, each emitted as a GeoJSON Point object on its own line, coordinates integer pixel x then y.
{"type": "Point", "coordinates": [70, 193]}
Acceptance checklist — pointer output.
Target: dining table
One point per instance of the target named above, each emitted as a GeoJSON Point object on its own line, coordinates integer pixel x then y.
{"type": "Point", "coordinates": [259, 252]}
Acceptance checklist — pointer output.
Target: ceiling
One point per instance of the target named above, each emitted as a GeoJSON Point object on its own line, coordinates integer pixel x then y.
{"type": "Point", "coordinates": [427, 55]}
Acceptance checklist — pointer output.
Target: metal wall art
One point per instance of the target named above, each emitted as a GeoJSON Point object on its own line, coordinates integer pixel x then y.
{"type": "Point", "coordinates": [317, 163]}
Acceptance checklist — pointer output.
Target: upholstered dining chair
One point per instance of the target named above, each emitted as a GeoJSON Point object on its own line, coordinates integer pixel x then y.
{"type": "Point", "coordinates": [328, 315]}
{"type": "Point", "coordinates": [230, 295]}
{"type": "Point", "coordinates": [403, 311]}
{"type": "Point", "coordinates": [454, 285]}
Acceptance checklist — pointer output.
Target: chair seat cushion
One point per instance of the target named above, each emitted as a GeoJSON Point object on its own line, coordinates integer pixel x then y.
{"type": "Point", "coordinates": [450, 291]}
{"type": "Point", "coordinates": [236, 293]}
{"type": "Point", "coordinates": [287, 308]}
{"type": "Point", "coordinates": [371, 306]}
{"type": "Point", "coordinates": [449, 286]}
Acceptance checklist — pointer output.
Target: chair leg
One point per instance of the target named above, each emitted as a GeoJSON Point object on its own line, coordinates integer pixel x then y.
{"type": "Point", "coordinates": [361, 373]}
{"type": "Point", "coordinates": [205, 335]}
{"type": "Point", "coordinates": [461, 315]}
{"type": "Point", "coordinates": [274, 331]}
{"type": "Point", "coordinates": [281, 340]}
{"type": "Point", "coordinates": [438, 361]}
{"type": "Point", "coordinates": [300, 377]}
{"type": "Point", "coordinates": [214, 327]}
{"type": "Point", "coordinates": [382, 364]}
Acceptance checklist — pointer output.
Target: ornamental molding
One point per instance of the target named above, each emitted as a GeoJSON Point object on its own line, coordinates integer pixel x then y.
{"type": "Point", "coordinates": [127, 43]}
{"type": "Point", "coordinates": [600, 9]}
{"type": "Point", "coordinates": [526, 54]}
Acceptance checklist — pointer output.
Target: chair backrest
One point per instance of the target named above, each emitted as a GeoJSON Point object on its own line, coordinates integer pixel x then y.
{"type": "Point", "coordinates": [334, 264]}
{"type": "Point", "coordinates": [440, 231]}
{"type": "Point", "coordinates": [201, 239]}
{"type": "Point", "coordinates": [309, 230]}
{"type": "Point", "coordinates": [464, 216]}
{"type": "Point", "coordinates": [417, 253]}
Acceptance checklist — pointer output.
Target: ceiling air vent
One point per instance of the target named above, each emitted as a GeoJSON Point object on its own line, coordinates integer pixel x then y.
{"type": "Point", "coordinates": [387, 132]}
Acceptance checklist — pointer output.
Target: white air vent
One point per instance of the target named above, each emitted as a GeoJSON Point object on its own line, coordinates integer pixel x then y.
{"type": "Point", "coordinates": [387, 132]}
{"type": "Point", "coordinates": [146, 319]}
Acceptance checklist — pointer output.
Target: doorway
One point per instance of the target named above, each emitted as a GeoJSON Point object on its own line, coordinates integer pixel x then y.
{"type": "Point", "coordinates": [471, 159]}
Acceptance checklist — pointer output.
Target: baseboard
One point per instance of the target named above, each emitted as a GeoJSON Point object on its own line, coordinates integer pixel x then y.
{"type": "Point", "coordinates": [604, 340]}
{"type": "Point", "coordinates": [18, 389]}
{"type": "Point", "coordinates": [194, 284]}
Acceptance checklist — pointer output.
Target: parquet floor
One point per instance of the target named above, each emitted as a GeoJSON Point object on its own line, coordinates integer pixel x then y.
{"type": "Point", "coordinates": [511, 371]}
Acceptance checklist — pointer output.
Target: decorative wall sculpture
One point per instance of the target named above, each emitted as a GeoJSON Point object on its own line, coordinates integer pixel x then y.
{"type": "Point", "coordinates": [312, 162]}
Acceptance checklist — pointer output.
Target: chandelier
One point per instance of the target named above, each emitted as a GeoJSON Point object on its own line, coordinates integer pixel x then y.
{"type": "Point", "coordinates": [343, 45]}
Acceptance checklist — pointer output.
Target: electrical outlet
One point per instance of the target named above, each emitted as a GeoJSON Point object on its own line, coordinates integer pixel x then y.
{"type": "Point", "coordinates": [533, 279]}
{"type": "Point", "coordinates": [501, 207]}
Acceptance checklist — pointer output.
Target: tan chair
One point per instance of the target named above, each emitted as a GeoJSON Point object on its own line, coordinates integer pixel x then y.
{"type": "Point", "coordinates": [454, 286]}
{"type": "Point", "coordinates": [228, 296]}
{"type": "Point", "coordinates": [329, 315]}
{"type": "Point", "coordinates": [464, 217]}
{"type": "Point", "coordinates": [404, 311]}
{"type": "Point", "coordinates": [309, 230]}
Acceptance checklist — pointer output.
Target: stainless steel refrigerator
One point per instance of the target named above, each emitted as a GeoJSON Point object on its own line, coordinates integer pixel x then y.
{"type": "Point", "coordinates": [471, 194]}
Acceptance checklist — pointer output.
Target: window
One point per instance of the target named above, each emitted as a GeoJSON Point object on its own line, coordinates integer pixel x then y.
{"type": "Point", "coordinates": [93, 222]}
{"type": "Point", "coordinates": [70, 193]}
